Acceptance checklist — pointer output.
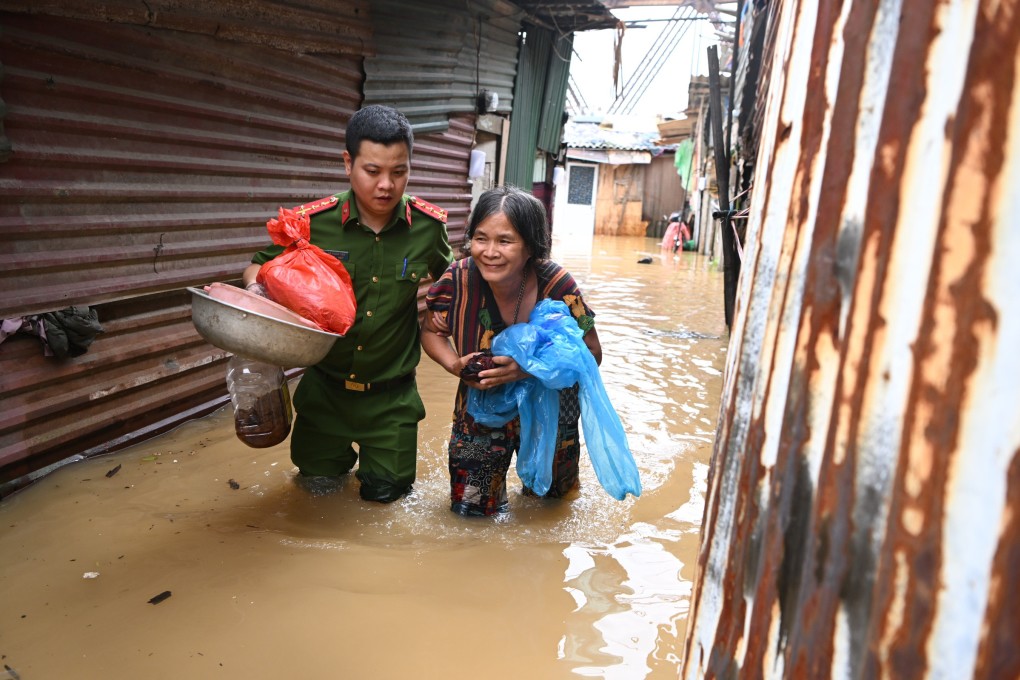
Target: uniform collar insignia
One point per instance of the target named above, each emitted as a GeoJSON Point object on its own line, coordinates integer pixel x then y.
{"type": "Point", "coordinates": [316, 206]}
{"type": "Point", "coordinates": [433, 211]}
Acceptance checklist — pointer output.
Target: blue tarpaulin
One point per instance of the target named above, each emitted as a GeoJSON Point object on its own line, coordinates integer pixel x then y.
{"type": "Point", "coordinates": [550, 347]}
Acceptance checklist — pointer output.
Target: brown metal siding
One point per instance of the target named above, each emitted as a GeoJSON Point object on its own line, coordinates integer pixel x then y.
{"type": "Point", "coordinates": [861, 513]}
{"type": "Point", "coordinates": [439, 171]}
{"type": "Point", "coordinates": [148, 369]}
{"type": "Point", "coordinates": [663, 192]}
{"type": "Point", "coordinates": [146, 160]}
{"type": "Point", "coordinates": [432, 59]}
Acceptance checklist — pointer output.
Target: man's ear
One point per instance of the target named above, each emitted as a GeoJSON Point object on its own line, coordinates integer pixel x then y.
{"type": "Point", "coordinates": [348, 163]}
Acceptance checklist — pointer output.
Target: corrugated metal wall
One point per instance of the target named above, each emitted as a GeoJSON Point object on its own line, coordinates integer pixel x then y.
{"type": "Point", "coordinates": [863, 509]}
{"type": "Point", "coordinates": [439, 171]}
{"type": "Point", "coordinates": [532, 71]}
{"type": "Point", "coordinates": [550, 127]}
{"type": "Point", "coordinates": [147, 159]}
{"type": "Point", "coordinates": [434, 58]}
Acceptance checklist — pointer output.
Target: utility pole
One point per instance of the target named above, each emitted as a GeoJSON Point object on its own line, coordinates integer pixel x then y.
{"type": "Point", "coordinates": [731, 259]}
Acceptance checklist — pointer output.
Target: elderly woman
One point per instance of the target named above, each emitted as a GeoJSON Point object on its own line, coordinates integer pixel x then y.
{"type": "Point", "coordinates": [507, 273]}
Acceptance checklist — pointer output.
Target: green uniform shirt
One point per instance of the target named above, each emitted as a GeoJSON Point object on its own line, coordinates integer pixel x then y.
{"type": "Point", "coordinates": [386, 269]}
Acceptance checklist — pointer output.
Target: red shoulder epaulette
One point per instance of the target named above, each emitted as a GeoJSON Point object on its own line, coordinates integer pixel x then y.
{"type": "Point", "coordinates": [433, 211]}
{"type": "Point", "coordinates": [316, 206]}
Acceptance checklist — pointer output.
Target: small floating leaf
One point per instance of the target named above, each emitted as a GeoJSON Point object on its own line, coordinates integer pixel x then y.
{"type": "Point", "coordinates": [233, 485]}
{"type": "Point", "coordinates": [159, 598]}
{"type": "Point", "coordinates": [111, 473]}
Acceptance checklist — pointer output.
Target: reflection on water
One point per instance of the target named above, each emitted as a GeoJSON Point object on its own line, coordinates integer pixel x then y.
{"type": "Point", "coordinates": [268, 581]}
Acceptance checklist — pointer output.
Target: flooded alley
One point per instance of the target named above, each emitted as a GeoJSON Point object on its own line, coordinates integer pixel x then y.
{"type": "Point", "coordinates": [266, 581]}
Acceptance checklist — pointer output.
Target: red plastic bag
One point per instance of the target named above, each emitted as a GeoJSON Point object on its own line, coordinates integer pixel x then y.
{"type": "Point", "coordinates": [305, 279]}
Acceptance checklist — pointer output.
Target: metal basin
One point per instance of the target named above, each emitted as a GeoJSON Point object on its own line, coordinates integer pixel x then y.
{"type": "Point", "coordinates": [270, 335]}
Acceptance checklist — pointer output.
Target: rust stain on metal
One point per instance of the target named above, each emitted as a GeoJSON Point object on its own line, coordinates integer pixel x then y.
{"type": "Point", "coordinates": [999, 655]}
{"type": "Point", "coordinates": [836, 541]}
{"type": "Point", "coordinates": [152, 146]}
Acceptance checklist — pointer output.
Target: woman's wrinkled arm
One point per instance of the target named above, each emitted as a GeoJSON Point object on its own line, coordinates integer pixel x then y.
{"type": "Point", "coordinates": [436, 343]}
{"type": "Point", "coordinates": [591, 339]}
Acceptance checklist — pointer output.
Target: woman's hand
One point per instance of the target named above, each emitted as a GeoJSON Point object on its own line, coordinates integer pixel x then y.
{"type": "Point", "coordinates": [506, 371]}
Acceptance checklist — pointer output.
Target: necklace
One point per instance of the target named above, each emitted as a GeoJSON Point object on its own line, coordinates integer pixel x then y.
{"type": "Point", "coordinates": [520, 295]}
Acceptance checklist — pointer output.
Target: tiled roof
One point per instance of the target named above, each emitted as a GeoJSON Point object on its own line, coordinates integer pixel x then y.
{"type": "Point", "coordinates": [585, 135]}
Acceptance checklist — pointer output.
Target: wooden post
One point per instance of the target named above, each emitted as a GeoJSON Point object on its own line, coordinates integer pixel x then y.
{"type": "Point", "coordinates": [731, 260]}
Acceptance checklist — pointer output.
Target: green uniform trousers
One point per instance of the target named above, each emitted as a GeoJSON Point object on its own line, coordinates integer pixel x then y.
{"type": "Point", "coordinates": [383, 424]}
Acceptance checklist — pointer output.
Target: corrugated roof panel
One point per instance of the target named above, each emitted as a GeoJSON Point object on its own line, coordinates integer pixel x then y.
{"type": "Point", "coordinates": [565, 16]}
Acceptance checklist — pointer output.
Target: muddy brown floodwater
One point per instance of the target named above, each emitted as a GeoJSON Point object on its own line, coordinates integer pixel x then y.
{"type": "Point", "coordinates": [266, 581]}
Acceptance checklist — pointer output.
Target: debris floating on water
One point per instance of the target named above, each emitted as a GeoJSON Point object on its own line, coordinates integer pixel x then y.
{"type": "Point", "coordinates": [159, 598]}
{"type": "Point", "coordinates": [111, 473]}
{"type": "Point", "coordinates": [233, 485]}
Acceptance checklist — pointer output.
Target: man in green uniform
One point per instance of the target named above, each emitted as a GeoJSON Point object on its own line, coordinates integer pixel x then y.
{"type": "Point", "coordinates": [363, 393]}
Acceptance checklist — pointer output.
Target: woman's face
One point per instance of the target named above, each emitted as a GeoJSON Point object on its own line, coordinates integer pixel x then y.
{"type": "Point", "coordinates": [499, 251]}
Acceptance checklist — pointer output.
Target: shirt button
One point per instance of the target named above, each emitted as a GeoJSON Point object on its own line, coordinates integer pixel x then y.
{"type": "Point", "coordinates": [368, 313]}
{"type": "Point", "coordinates": [353, 376]}
{"type": "Point", "coordinates": [375, 279]}
{"type": "Point", "coordinates": [378, 238]}
{"type": "Point", "coordinates": [360, 347]}
{"type": "Point", "coordinates": [414, 275]}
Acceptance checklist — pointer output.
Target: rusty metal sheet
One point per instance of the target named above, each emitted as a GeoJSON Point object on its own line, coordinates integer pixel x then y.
{"type": "Point", "coordinates": [862, 502]}
{"type": "Point", "coordinates": [313, 26]}
{"type": "Point", "coordinates": [434, 58]}
{"type": "Point", "coordinates": [145, 160]}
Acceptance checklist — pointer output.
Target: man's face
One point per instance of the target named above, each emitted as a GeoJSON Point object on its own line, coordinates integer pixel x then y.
{"type": "Point", "coordinates": [378, 177]}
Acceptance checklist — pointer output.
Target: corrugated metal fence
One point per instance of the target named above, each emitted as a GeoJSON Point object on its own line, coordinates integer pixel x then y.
{"type": "Point", "coordinates": [148, 150]}
{"type": "Point", "coordinates": [434, 58]}
{"type": "Point", "coordinates": [540, 72]}
{"type": "Point", "coordinates": [863, 510]}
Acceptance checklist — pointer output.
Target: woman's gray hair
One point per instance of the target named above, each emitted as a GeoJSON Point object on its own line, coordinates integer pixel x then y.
{"type": "Point", "coordinates": [525, 213]}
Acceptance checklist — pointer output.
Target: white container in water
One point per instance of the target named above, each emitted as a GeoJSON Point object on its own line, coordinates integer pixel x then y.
{"type": "Point", "coordinates": [261, 399]}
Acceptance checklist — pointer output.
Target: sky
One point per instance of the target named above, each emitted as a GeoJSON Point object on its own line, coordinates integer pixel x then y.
{"type": "Point", "coordinates": [666, 95]}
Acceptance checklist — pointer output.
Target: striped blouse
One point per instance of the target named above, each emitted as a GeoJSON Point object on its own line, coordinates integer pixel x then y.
{"type": "Point", "coordinates": [464, 300]}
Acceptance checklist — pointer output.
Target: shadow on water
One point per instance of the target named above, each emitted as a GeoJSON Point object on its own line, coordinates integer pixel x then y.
{"type": "Point", "coordinates": [269, 581]}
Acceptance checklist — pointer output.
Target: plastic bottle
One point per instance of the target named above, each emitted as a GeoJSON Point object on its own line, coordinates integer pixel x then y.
{"type": "Point", "coordinates": [261, 399]}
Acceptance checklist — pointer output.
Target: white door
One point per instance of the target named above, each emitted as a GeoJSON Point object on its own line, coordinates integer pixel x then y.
{"type": "Point", "coordinates": [574, 214]}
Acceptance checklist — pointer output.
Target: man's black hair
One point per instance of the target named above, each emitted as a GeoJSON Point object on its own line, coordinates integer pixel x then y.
{"type": "Point", "coordinates": [525, 213]}
{"type": "Point", "coordinates": [379, 124]}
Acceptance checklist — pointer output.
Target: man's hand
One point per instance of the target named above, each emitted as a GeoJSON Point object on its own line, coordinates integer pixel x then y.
{"type": "Point", "coordinates": [436, 323]}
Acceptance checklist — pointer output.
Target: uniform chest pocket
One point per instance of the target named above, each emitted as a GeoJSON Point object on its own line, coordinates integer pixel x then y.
{"type": "Point", "coordinates": [411, 272]}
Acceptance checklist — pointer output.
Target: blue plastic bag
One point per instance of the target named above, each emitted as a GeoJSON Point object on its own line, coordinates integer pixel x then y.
{"type": "Point", "coordinates": [551, 348]}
